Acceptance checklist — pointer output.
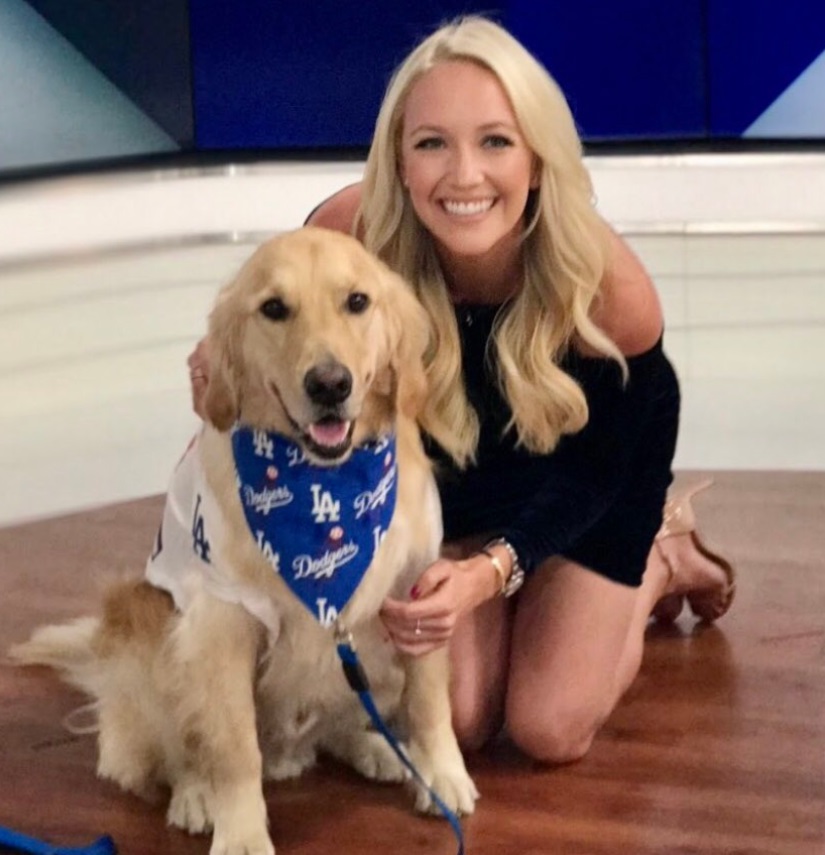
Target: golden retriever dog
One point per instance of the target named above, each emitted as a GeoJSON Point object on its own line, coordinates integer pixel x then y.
{"type": "Point", "coordinates": [209, 674]}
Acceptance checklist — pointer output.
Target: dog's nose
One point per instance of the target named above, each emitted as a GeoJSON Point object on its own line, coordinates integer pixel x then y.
{"type": "Point", "coordinates": [330, 383]}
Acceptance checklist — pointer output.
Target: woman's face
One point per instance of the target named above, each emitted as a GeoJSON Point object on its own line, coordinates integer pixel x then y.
{"type": "Point", "coordinates": [464, 160]}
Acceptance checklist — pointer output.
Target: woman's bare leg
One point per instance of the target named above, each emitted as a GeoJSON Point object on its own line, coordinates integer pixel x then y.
{"type": "Point", "coordinates": [571, 653]}
{"type": "Point", "coordinates": [479, 662]}
{"type": "Point", "coordinates": [577, 645]}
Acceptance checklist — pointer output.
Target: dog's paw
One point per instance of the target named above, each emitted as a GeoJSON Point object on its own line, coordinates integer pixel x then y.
{"type": "Point", "coordinates": [127, 757]}
{"type": "Point", "coordinates": [288, 766]}
{"type": "Point", "coordinates": [248, 844]}
{"type": "Point", "coordinates": [190, 807]}
{"type": "Point", "coordinates": [457, 792]}
{"type": "Point", "coordinates": [372, 756]}
{"type": "Point", "coordinates": [448, 778]}
{"type": "Point", "coordinates": [240, 825]}
{"type": "Point", "coordinates": [365, 751]}
{"type": "Point", "coordinates": [142, 784]}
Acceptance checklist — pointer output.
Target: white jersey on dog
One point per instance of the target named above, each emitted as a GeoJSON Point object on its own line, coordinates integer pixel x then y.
{"type": "Point", "coordinates": [188, 541]}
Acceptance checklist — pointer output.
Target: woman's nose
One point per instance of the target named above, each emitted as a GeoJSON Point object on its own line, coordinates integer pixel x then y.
{"type": "Point", "coordinates": [467, 169]}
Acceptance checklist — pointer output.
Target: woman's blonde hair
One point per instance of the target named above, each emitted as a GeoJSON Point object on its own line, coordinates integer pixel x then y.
{"type": "Point", "coordinates": [564, 249]}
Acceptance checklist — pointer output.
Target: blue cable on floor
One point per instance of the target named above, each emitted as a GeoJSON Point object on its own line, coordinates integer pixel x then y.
{"type": "Point", "coordinates": [18, 842]}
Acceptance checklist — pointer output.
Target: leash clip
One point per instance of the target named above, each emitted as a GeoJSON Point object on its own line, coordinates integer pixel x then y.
{"type": "Point", "coordinates": [353, 670]}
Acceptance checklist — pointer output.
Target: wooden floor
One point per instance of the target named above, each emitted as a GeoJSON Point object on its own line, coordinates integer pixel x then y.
{"type": "Point", "coordinates": [719, 747]}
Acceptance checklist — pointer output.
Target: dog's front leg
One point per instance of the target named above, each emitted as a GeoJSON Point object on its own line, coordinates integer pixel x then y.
{"type": "Point", "coordinates": [220, 777]}
{"type": "Point", "coordinates": [433, 746]}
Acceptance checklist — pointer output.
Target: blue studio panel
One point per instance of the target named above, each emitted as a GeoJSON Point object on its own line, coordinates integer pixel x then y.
{"type": "Point", "coordinates": [276, 75]}
{"type": "Point", "coordinates": [269, 74]}
{"type": "Point", "coordinates": [757, 48]}
{"type": "Point", "coordinates": [631, 69]}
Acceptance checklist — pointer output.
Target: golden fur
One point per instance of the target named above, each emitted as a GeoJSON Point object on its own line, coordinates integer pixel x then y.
{"type": "Point", "coordinates": [209, 701]}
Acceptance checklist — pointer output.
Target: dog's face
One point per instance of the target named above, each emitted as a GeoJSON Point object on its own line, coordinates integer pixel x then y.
{"type": "Point", "coordinates": [318, 340]}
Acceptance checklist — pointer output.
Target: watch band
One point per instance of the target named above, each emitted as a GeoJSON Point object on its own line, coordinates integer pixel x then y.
{"type": "Point", "coordinates": [516, 578]}
{"type": "Point", "coordinates": [497, 566]}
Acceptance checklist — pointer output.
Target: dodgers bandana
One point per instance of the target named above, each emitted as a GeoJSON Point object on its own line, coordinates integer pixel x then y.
{"type": "Point", "coordinates": [318, 526]}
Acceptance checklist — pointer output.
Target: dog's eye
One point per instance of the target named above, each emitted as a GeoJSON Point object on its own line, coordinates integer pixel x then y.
{"type": "Point", "coordinates": [357, 302]}
{"type": "Point", "coordinates": [275, 309]}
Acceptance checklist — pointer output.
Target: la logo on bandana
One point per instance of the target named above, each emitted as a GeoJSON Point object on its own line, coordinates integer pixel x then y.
{"type": "Point", "coordinates": [319, 527]}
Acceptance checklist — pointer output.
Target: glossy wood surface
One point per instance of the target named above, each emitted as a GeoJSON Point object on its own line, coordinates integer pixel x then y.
{"type": "Point", "coordinates": [719, 747]}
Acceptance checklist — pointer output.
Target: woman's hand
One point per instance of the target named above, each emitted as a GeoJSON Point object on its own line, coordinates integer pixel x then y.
{"type": "Point", "coordinates": [443, 593]}
{"type": "Point", "coordinates": [198, 363]}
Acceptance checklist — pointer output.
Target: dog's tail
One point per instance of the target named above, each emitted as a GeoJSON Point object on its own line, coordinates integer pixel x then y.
{"type": "Point", "coordinates": [68, 648]}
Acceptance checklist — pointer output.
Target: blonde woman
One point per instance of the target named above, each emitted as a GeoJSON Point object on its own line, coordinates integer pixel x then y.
{"type": "Point", "coordinates": [547, 365]}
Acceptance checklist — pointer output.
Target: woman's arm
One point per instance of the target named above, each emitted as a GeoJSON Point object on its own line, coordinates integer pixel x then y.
{"type": "Point", "coordinates": [198, 362]}
{"type": "Point", "coordinates": [628, 308]}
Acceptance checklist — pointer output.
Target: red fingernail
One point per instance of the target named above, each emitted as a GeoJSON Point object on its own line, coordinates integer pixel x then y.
{"type": "Point", "coordinates": [414, 592]}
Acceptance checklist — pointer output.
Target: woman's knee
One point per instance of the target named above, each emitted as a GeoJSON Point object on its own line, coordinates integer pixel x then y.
{"type": "Point", "coordinates": [552, 732]}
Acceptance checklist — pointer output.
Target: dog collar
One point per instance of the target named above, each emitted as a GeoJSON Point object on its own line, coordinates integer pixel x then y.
{"type": "Point", "coordinates": [317, 526]}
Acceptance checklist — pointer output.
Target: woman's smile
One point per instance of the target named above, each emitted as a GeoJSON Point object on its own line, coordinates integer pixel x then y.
{"type": "Point", "coordinates": [470, 208]}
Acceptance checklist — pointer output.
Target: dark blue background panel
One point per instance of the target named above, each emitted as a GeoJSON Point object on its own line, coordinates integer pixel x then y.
{"type": "Point", "coordinates": [756, 49]}
{"type": "Point", "coordinates": [631, 70]}
{"type": "Point", "coordinates": [270, 74]}
{"type": "Point", "coordinates": [142, 46]}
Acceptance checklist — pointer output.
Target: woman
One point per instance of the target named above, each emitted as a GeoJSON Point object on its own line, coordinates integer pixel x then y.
{"type": "Point", "coordinates": [547, 362]}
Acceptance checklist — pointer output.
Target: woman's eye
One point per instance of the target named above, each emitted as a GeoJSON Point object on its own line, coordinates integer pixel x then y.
{"type": "Point", "coordinates": [428, 143]}
{"type": "Point", "coordinates": [497, 141]}
{"type": "Point", "coordinates": [357, 302]}
{"type": "Point", "coordinates": [275, 309]}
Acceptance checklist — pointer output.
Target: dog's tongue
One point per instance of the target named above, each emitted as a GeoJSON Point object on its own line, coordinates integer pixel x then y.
{"type": "Point", "coordinates": [329, 433]}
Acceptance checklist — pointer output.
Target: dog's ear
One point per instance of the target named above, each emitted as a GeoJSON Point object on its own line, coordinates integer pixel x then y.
{"type": "Point", "coordinates": [222, 399]}
{"type": "Point", "coordinates": [408, 328]}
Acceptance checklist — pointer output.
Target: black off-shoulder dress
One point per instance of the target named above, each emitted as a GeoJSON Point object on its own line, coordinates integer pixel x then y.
{"type": "Point", "coordinates": [597, 498]}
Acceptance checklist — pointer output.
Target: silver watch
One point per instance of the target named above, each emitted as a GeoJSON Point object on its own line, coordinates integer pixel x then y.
{"type": "Point", "coordinates": [516, 578]}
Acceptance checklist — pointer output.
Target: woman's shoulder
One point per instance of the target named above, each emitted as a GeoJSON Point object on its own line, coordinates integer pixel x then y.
{"type": "Point", "coordinates": [339, 211]}
{"type": "Point", "coordinates": [628, 308]}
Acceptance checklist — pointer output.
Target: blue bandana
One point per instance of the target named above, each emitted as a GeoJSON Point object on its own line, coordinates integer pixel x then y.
{"type": "Point", "coordinates": [318, 526]}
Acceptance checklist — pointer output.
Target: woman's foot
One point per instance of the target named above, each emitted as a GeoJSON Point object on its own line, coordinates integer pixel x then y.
{"type": "Point", "coordinates": [703, 578]}
{"type": "Point", "coordinates": [697, 575]}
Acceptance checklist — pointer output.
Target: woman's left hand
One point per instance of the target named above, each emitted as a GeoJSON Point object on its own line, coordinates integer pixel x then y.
{"type": "Point", "coordinates": [198, 362]}
{"type": "Point", "coordinates": [443, 593]}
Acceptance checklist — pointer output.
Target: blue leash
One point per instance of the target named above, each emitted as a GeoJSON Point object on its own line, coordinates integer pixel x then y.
{"type": "Point", "coordinates": [357, 679]}
{"type": "Point", "coordinates": [20, 843]}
